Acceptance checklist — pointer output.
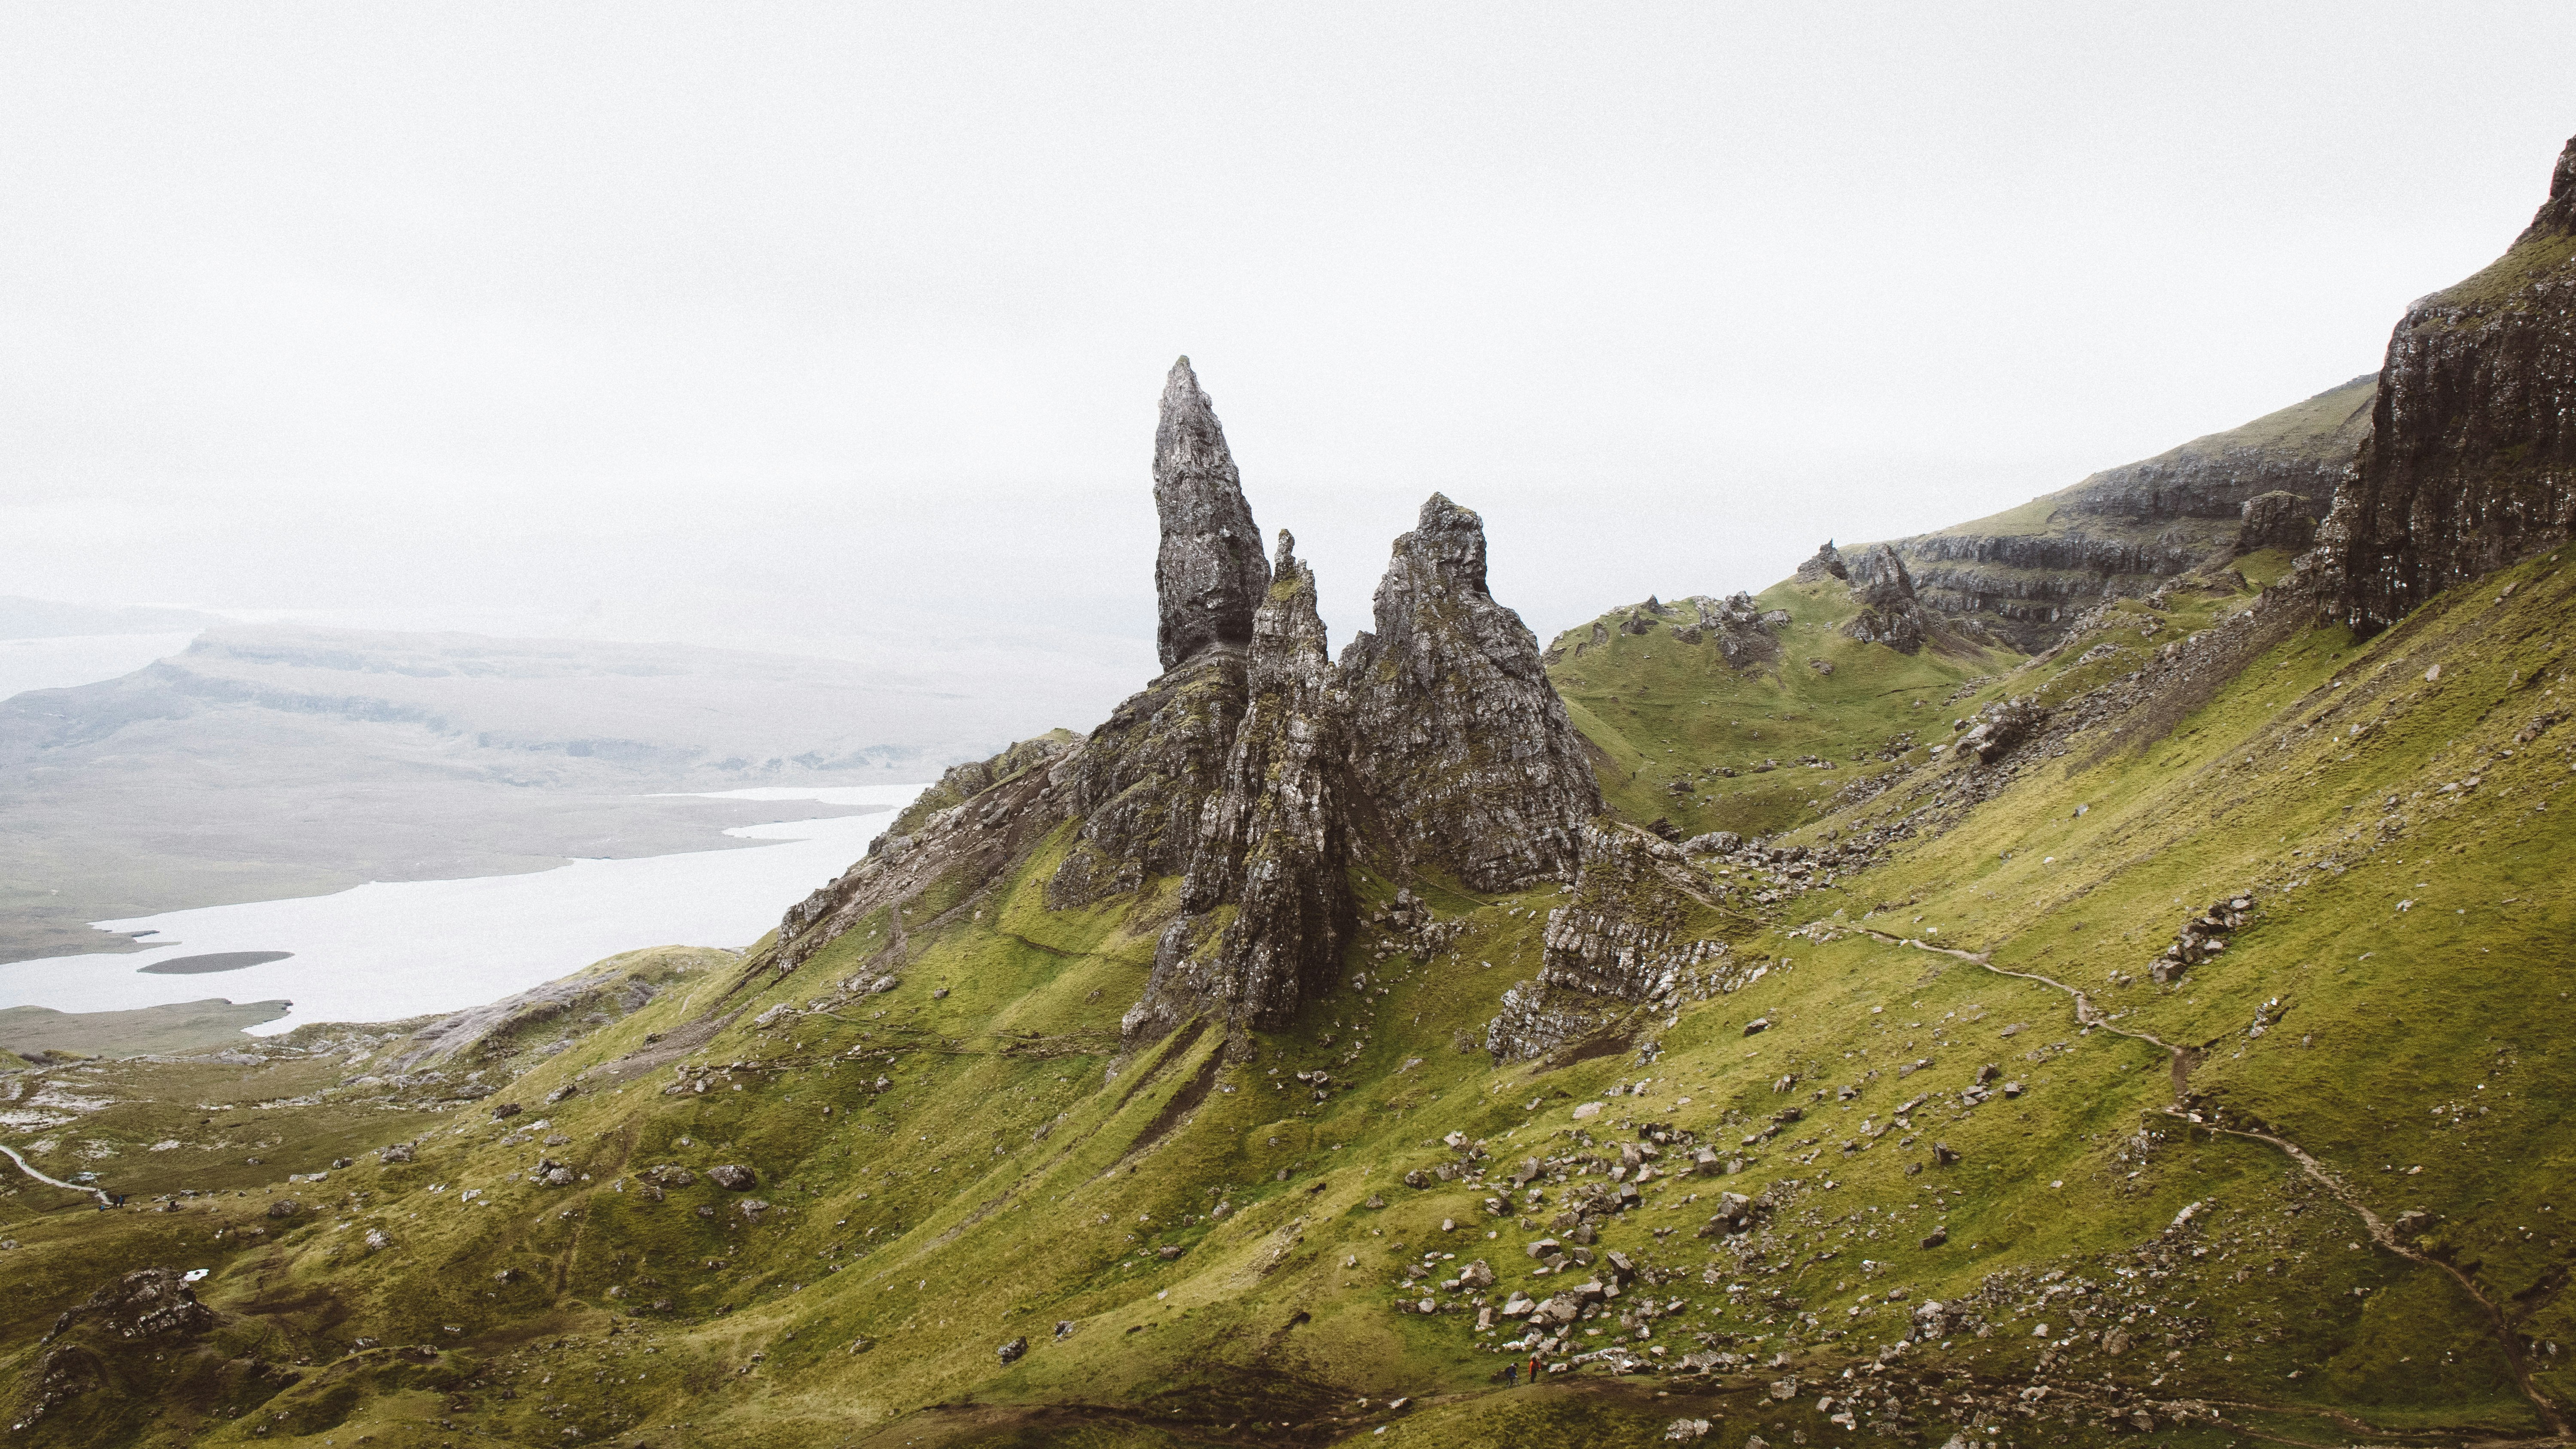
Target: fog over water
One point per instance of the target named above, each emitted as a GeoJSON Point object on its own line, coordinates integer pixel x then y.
{"type": "Point", "coordinates": [382, 952]}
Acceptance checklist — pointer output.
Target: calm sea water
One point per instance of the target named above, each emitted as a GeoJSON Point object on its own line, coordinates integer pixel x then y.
{"type": "Point", "coordinates": [385, 951]}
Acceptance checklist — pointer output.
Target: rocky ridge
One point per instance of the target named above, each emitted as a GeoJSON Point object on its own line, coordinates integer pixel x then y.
{"type": "Point", "coordinates": [1267, 904]}
{"type": "Point", "coordinates": [2024, 575]}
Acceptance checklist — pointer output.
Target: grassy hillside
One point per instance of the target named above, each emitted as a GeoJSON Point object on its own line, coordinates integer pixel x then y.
{"type": "Point", "coordinates": [1672, 718]}
{"type": "Point", "coordinates": [1972, 1212]}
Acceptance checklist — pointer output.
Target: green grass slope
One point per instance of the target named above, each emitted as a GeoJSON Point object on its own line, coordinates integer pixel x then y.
{"type": "Point", "coordinates": [1684, 736]}
{"type": "Point", "coordinates": [1974, 1212]}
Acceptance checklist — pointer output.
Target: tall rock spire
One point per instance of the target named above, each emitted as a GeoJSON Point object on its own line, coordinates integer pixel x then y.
{"type": "Point", "coordinates": [1455, 732]}
{"type": "Point", "coordinates": [1209, 575]}
{"type": "Point", "coordinates": [1270, 839]}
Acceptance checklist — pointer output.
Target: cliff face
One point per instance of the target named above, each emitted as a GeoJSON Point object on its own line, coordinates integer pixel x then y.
{"type": "Point", "coordinates": [2472, 457]}
{"type": "Point", "coordinates": [2023, 575]}
{"type": "Point", "coordinates": [1455, 732]}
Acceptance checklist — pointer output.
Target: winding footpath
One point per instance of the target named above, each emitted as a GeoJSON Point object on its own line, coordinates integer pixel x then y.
{"type": "Point", "coordinates": [104, 1200]}
{"type": "Point", "coordinates": [2183, 1059]}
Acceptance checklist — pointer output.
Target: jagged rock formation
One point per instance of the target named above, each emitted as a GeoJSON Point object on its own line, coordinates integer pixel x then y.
{"type": "Point", "coordinates": [1640, 929]}
{"type": "Point", "coordinates": [1827, 563]}
{"type": "Point", "coordinates": [1889, 613]}
{"type": "Point", "coordinates": [1209, 574]}
{"type": "Point", "coordinates": [1267, 904]}
{"type": "Point", "coordinates": [1141, 782]}
{"type": "Point", "coordinates": [2026, 574]}
{"type": "Point", "coordinates": [1255, 767]}
{"type": "Point", "coordinates": [2278, 519]}
{"type": "Point", "coordinates": [1456, 734]}
{"type": "Point", "coordinates": [2472, 456]}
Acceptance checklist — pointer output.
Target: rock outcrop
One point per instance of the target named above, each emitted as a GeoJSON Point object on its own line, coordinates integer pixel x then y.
{"type": "Point", "coordinates": [1267, 904]}
{"type": "Point", "coordinates": [2024, 575]}
{"type": "Point", "coordinates": [1456, 735]}
{"type": "Point", "coordinates": [1639, 930]}
{"type": "Point", "coordinates": [1141, 781]}
{"type": "Point", "coordinates": [1209, 575]}
{"type": "Point", "coordinates": [1889, 613]}
{"type": "Point", "coordinates": [2472, 456]}
{"type": "Point", "coordinates": [1254, 768]}
{"type": "Point", "coordinates": [1826, 564]}
{"type": "Point", "coordinates": [2278, 519]}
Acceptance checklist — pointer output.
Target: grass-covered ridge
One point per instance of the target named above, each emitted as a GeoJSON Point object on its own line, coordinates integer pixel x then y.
{"type": "Point", "coordinates": [967, 1159]}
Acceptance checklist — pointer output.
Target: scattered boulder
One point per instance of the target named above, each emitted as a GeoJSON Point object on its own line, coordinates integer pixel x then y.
{"type": "Point", "coordinates": [400, 1152]}
{"type": "Point", "coordinates": [1999, 727]}
{"type": "Point", "coordinates": [1018, 1348]}
{"type": "Point", "coordinates": [733, 1177]}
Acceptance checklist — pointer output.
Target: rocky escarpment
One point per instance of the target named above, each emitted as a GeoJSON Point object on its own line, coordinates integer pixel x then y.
{"type": "Point", "coordinates": [1140, 781]}
{"type": "Point", "coordinates": [960, 783]}
{"type": "Point", "coordinates": [1456, 734]}
{"type": "Point", "coordinates": [2472, 455]}
{"type": "Point", "coordinates": [1209, 575]}
{"type": "Point", "coordinates": [1267, 904]}
{"type": "Point", "coordinates": [2023, 576]}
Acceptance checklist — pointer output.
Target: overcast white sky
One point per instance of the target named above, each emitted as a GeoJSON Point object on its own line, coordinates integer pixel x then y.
{"type": "Point", "coordinates": [841, 326]}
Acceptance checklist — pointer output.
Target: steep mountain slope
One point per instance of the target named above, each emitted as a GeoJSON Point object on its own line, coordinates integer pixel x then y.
{"type": "Point", "coordinates": [2164, 1045]}
{"type": "Point", "coordinates": [2023, 575]}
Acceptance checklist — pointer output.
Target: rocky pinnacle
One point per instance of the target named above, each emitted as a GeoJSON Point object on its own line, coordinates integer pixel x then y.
{"type": "Point", "coordinates": [1209, 574]}
{"type": "Point", "coordinates": [1455, 732]}
{"type": "Point", "coordinates": [1270, 838]}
